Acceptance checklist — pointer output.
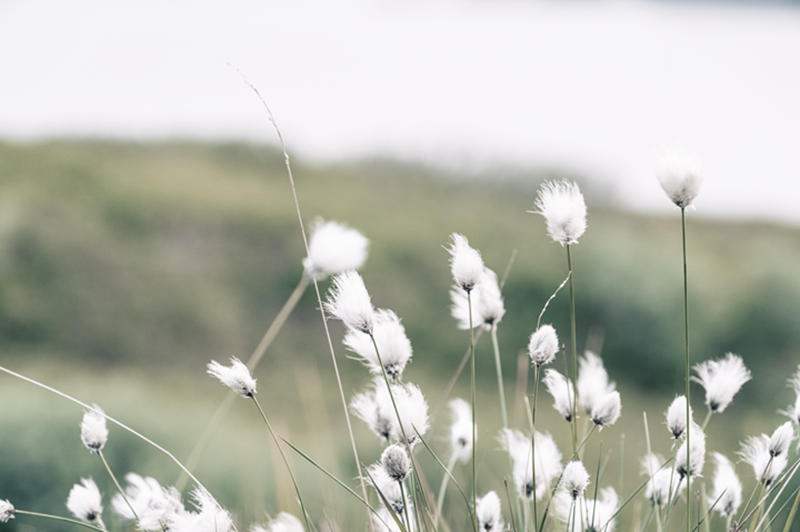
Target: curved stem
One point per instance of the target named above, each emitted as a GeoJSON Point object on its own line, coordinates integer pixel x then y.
{"type": "Point", "coordinates": [574, 335]}
{"type": "Point", "coordinates": [474, 414]}
{"type": "Point", "coordinates": [116, 483]}
{"type": "Point", "coordinates": [59, 518]}
{"type": "Point", "coordinates": [686, 341]}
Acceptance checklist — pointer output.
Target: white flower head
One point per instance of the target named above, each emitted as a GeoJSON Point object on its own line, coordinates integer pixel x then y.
{"type": "Point", "coordinates": [375, 408]}
{"type": "Point", "coordinates": [466, 263]}
{"type": "Point", "coordinates": [727, 493]}
{"type": "Point", "coordinates": [393, 345]}
{"type": "Point", "coordinates": [485, 299]}
{"type": "Point", "coordinates": [94, 433]}
{"type": "Point", "coordinates": [593, 384]}
{"type": "Point", "coordinates": [548, 462]}
{"type": "Point", "coordinates": [390, 488]}
{"type": "Point", "coordinates": [384, 522]}
{"type": "Point", "coordinates": [607, 410]}
{"type": "Point", "coordinates": [490, 515]}
{"type": "Point", "coordinates": [676, 416]}
{"type": "Point", "coordinates": [562, 391]}
{"type": "Point", "coordinates": [755, 451]}
{"type": "Point", "coordinates": [589, 515]}
{"type": "Point", "coordinates": [543, 345]}
{"type": "Point", "coordinates": [680, 176]}
{"type": "Point", "coordinates": [236, 377]}
{"type": "Point", "coordinates": [86, 503]}
{"type": "Point", "coordinates": [285, 522]}
{"type": "Point", "coordinates": [396, 462]}
{"type": "Point", "coordinates": [575, 479]}
{"type": "Point", "coordinates": [334, 248]}
{"type": "Point", "coordinates": [660, 480]}
{"type": "Point", "coordinates": [461, 432]}
{"type": "Point", "coordinates": [372, 411]}
{"type": "Point", "coordinates": [564, 209]}
{"type": "Point", "coordinates": [210, 517]}
{"type": "Point", "coordinates": [349, 301]}
{"type": "Point", "coordinates": [722, 379]}
{"type": "Point", "coordinates": [153, 504]}
{"type": "Point", "coordinates": [6, 511]}
{"type": "Point", "coordinates": [689, 460]}
{"type": "Point", "coordinates": [781, 439]}
{"type": "Point", "coordinates": [793, 412]}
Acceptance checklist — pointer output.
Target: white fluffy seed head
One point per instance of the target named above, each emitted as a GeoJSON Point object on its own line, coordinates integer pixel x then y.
{"type": "Point", "coordinates": [781, 439]}
{"type": "Point", "coordinates": [210, 517]}
{"type": "Point", "coordinates": [236, 377]}
{"type": "Point", "coordinates": [575, 479]}
{"type": "Point", "coordinates": [461, 432]}
{"type": "Point", "coordinates": [334, 248]}
{"type": "Point", "coordinates": [766, 468]}
{"type": "Point", "coordinates": [153, 504]}
{"type": "Point", "coordinates": [680, 176]}
{"type": "Point", "coordinates": [285, 522]}
{"type": "Point", "coordinates": [85, 502]}
{"type": "Point", "coordinates": [727, 493]}
{"type": "Point", "coordinates": [689, 460]}
{"type": "Point", "coordinates": [543, 345]}
{"type": "Point", "coordinates": [486, 300]}
{"type": "Point", "coordinates": [676, 416]}
{"type": "Point", "coordinates": [386, 486]}
{"type": "Point", "coordinates": [489, 510]}
{"type": "Point", "coordinates": [548, 462]}
{"type": "Point", "coordinates": [94, 433]}
{"type": "Point", "coordinates": [393, 345]}
{"type": "Point", "coordinates": [466, 263]}
{"type": "Point", "coordinates": [564, 209]}
{"type": "Point", "coordinates": [6, 511]}
{"type": "Point", "coordinates": [395, 462]}
{"type": "Point", "coordinates": [562, 391]}
{"type": "Point", "coordinates": [349, 301]}
{"type": "Point", "coordinates": [660, 479]}
{"type": "Point", "coordinates": [607, 410]}
{"type": "Point", "coordinates": [593, 384]}
{"type": "Point", "coordinates": [721, 379]}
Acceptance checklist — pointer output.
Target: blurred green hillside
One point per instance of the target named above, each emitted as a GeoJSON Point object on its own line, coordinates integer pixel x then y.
{"type": "Point", "coordinates": [125, 268]}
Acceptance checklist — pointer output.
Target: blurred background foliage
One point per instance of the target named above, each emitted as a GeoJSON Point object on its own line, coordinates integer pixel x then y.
{"type": "Point", "coordinates": [125, 268]}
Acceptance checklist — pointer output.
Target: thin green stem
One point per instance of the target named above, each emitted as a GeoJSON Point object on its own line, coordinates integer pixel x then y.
{"type": "Point", "coordinates": [116, 483]}
{"type": "Point", "coordinates": [285, 461]}
{"type": "Point", "coordinates": [443, 488]}
{"type": "Point", "coordinates": [789, 520]}
{"type": "Point", "coordinates": [64, 519]}
{"type": "Point", "coordinates": [533, 443]}
{"type": "Point", "coordinates": [474, 414]}
{"type": "Point", "coordinates": [686, 340]}
{"type": "Point", "coordinates": [574, 337]}
{"type": "Point", "coordinates": [707, 419]}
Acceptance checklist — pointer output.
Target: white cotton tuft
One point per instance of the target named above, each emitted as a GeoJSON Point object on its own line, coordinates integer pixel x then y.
{"type": "Point", "coordinates": [564, 209]}
{"type": "Point", "coordinates": [755, 451]}
{"type": "Point", "coordinates": [781, 439]}
{"type": "Point", "coordinates": [721, 379]}
{"type": "Point", "coordinates": [680, 176]}
{"type": "Point", "coordinates": [94, 433]}
{"type": "Point", "coordinates": [486, 301]}
{"type": "Point", "coordinates": [548, 462]}
{"type": "Point", "coordinates": [676, 416]}
{"type": "Point", "coordinates": [210, 517]}
{"type": "Point", "coordinates": [543, 345]}
{"type": "Point", "coordinates": [86, 503]}
{"type": "Point", "coordinates": [285, 522]}
{"type": "Point", "coordinates": [593, 384]}
{"type": "Point", "coordinates": [461, 432]}
{"type": "Point", "coordinates": [334, 248]}
{"type": "Point", "coordinates": [490, 516]}
{"type": "Point", "coordinates": [466, 263]}
{"type": "Point", "coordinates": [393, 345]}
{"type": "Point", "coordinates": [562, 391]}
{"type": "Point", "coordinates": [236, 377]}
{"type": "Point", "coordinates": [660, 479]}
{"type": "Point", "coordinates": [153, 504]}
{"type": "Point", "coordinates": [590, 515]}
{"type": "Point", "coordinates": [391, 489]}
{"type": "Point", "coordinates": [726, 496]}
{"type": "Point", "coordinates": [689, 460]}
{"type": "Point", "coordinates": [395, 462]}
{"type": "Point", "coordinates": [607, 410]}
{"type": "Point", "coordinates": [6, 511]}
{"type": "Point", "coordinates": [349, 301]}
{"type": "Point", "coordinates": [375, 408]}
{"type": "Point", "coordinates": [575, 479]}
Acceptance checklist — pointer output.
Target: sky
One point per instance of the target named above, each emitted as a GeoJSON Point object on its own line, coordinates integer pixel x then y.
{"type": "Point", "coordinates": [600, 88]}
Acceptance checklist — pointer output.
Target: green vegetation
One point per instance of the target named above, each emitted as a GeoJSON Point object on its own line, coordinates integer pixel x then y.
{"type": "Point", "coordinates": [125, 268]}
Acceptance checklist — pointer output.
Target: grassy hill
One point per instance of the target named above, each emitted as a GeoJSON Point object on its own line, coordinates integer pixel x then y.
{"type": "Point", "coordinates": [125, 268]}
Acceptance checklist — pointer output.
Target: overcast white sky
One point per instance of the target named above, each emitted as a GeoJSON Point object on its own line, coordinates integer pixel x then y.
{"type": "Point", "coordinates": [595, 86]}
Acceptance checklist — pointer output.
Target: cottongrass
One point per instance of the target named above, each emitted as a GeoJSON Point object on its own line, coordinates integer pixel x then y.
{"type": "Point", "coordinates": [86, 503]}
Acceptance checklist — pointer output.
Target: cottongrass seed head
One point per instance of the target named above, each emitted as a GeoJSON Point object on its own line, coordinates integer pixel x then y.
{"type": "Point", "coordinates": [334, 248]}
{"type": "Point", "coordinates": [386, 486]}
{"type": "Point", "coordinates": [593, 384]}
{"type": "Point", "coordinates": [543, 345]}
{"type": "Point", "coordinates": [487, 303]}
{"type": "Point", "coordinates": [285, 522]}
{"type": "Point", "coordinates": [680, 176]}
{"type": "Point", "coordinates": [490, 515]}
{"type": "Point", "coordinates": [153, 504]}
{"type": "Point", "coordinates": [548, 462]}
{"type": "Point", "coordinates": [590, 515]}
{"type": "Point", "coordinates": [607, 410]}
{"type": "Point", "coordinates": [349, 301]}
{"type": "Point", "coordinates": [393, 345]}
{"type": "Point", "coordinates": [375, 408]}
{"type": "Point", "coordinates": [86, 503]}
{"type": "Point", "coordinates": [562, 391]}
{"type": "Point", "coordinates": [372, 407]}
{"type": "Point", "coordinates": [689, 460]}
{"type": "Point", "coordinates": [236, 377]}
{"type": "Point", "coordinates": [660, 479]}
{"type": "Point", "coordinates": [94, 433]}
{"type": "Point", "coordinates": [756, 452]}
{"type": "Point", "coordinates": [721, 379]}
{"type": "Point", "coordinates": [395, 462]}
{"type": "Point", "coordinates": [575, 479]}
{"type": "Point", "coordinates": [466, 263]}
{"type": "Point", "coordinates": [726, 496]}
{"type": "Point", "coordinates": [781, 439]}
{"type": "Point", "coordinates": [209, 517]}
{"type": "Point", "coordinates": [676, 416]}
{"type": "Point", "coordinates": [564, 209]}
{"type": "Point", "coordinates": [6, 511]}
{"type": "Point", "coordinates": [461, 432]}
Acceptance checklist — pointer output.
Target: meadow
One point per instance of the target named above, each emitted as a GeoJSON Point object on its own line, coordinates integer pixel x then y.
{"type": "Point", "coordinates": [125, 268]}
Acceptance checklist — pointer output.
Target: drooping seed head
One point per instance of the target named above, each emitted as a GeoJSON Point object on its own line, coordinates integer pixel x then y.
{"type": "Point", "coordinates": [94, 433]}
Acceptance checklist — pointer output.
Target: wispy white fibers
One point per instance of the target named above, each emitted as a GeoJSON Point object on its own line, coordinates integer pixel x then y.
{"type": "Point", "coordinates": [6, 511]}
{"type": "Point", "coordinates": [575, 479]}
{"type": "Point", "coordinates": [607, 410]}
{"type": "Point", "coordinates": [781, 439]}
{"type": "Point", "coordinates": [794, 411]}
{"type": "Point", "coordinates": [349, 301]}
{"type": "Point", "coordinates": [461, 430]}
{"type": "Point", "coordinates": [543, 345]}
{"type": "Point", "coordinates": [722, 379]}
{"type": "Point", "coordinates": [659, 479]}
{"type": "Point", "coordinates": [154, 505]}
{"type": "Point", "coordinates": [690, 460]}
{"type": "Point", "coordinates": [210, 517]}
{"type": "Point", "coordinates": [593, 383]}
{"type": "Point", "coordinates": [386, 486]}
{"type": "Point", "coordinates": [370, 407]}
{"type": "Point", "coordinates": [285, 522]}
{"type": "Point", "coordinates": [755, 451]}
{"type": "Point", "coordinates": [466, 263]}
{"type": "Point", "coordinates": [393, 345]}
{"type": "Point", "coordinates": [490, 516]}
{"type": "Point", "coordinates": [86, 503]}
{"type": "Point", "coordinates": [236, 377]}
{"type": "Point", "coordinates": [94, 433]}
{"type": "Point", "coordinates": [548, 462]}
{"type": "Point", "coordinates": [487, 303]}
{"type": "Point", "coordinates": [561, 390]}
{"type": "Point", "coordinates": [395, 462]}
{"type": "Point", "coordinates": [334, 248]}
{"type": "Point", "coordinates": [564, 209]}
{"type": "Point", "coordinates": [676, 416]}
{"type": "Point", "coordinates": [727, 493]}
{"type": "Point", "coordinates": [375, 408]}
{"type": "Point", "coordinates": [590, 515]}
{"type": "Point", "coordinates": [680, 176]}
